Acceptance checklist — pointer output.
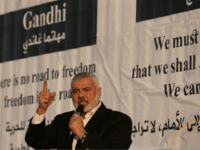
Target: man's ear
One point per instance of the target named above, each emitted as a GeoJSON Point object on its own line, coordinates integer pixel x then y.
{"type": "Point", "coordinates": [99, 92]}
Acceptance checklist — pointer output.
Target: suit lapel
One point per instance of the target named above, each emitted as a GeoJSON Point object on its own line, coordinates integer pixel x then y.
{"type": "Point", "coordinates": [94, 121]}
{"type": "Point", "coordinates": [66, 131]}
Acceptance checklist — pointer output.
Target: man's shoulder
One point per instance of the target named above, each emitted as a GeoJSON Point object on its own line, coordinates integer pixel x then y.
{"type": "Point", "coordinates": [116, 115]}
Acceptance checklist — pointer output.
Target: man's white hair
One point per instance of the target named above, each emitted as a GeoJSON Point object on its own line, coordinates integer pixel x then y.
{"type": "Point", "coordinates": [84, 75]}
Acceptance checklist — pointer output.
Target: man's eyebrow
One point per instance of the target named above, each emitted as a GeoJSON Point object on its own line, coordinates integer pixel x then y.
{"type": "Point", "coordinates": [82, 88]}
{"type": "Point", "coordinates": [86, 88]}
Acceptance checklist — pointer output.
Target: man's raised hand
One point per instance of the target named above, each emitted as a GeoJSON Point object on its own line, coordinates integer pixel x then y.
{"type": "Point", "coordinates": [46, 98]}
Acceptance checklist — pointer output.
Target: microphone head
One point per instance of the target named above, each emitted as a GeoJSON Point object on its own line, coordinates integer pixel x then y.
{"type": "Point", "coordinates": [79, 110]}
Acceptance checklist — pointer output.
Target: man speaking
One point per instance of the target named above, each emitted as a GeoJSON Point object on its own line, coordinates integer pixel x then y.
{"type": "Point", "coordinates": [96, 128]}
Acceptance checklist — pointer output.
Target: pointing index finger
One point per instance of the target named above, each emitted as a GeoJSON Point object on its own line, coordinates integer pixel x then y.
{"type": "Point", "coordinates": [45, 85]}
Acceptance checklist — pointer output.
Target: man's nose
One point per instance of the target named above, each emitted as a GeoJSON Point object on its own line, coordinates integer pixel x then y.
{"type": "Point", "coordinates": [81, 94]}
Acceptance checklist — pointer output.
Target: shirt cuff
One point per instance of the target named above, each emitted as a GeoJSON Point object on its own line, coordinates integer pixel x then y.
{"type": "Point", "coordinates": [37, 119]}
{"type": "Point", "coordinates": [84, 136]}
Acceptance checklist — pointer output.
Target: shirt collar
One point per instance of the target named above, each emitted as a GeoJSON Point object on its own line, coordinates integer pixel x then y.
{"type": "Point", "coordinates": [92, 112]}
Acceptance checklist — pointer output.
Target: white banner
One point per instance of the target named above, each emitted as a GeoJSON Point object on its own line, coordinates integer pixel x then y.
{"type": "Point", "coordinates": [146, 60]}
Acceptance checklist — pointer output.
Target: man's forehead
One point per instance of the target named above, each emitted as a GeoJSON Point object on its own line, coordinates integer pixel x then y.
{"type": "Point", "coordinates": [87, 81]}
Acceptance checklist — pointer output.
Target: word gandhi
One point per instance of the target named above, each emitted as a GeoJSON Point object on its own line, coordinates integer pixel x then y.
{"type": "Point", "coordinates": [43, 19]}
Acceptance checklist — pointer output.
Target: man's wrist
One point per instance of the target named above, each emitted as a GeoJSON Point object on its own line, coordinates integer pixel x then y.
{"type": "Point", "coordinates": [40, 111]}
{"type": "Point", "coordinates": [83, 137]}
{"type": "Point", "coordinates": [37, 119]}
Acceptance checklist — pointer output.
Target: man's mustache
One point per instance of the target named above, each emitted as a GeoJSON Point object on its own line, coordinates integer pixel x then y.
{"type": "Point", "coordinates": [83, 100]}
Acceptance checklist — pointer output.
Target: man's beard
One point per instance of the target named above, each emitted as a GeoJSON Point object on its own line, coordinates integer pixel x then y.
{"type": "Point", "coordinates": [90, 105]}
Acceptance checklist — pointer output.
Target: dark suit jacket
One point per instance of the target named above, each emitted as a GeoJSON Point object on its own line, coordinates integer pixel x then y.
{"type": "Point", "coordinates": [107, 129]}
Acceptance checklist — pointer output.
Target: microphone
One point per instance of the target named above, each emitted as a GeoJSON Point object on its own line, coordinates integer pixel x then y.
{"type": "Point", "coordinates": [79, 110]}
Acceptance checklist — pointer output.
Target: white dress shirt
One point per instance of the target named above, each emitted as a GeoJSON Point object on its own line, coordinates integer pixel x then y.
{"type": "Point", "coordinates": [38, 119]}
